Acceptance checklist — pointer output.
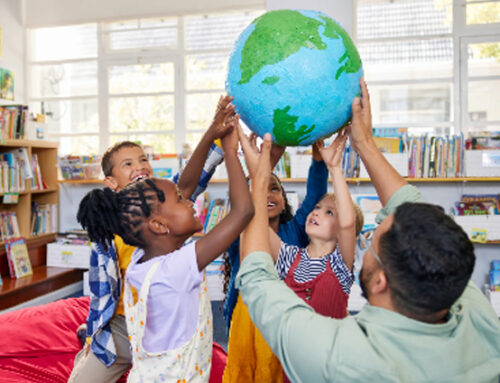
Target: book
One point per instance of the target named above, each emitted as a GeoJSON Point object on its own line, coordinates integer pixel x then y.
{"type": "Point", "coordinates": [491, 201]}
{"type": "Point", "coordinates": [18, 253]}
{"type": "Point", "coordinates": [471, 208]}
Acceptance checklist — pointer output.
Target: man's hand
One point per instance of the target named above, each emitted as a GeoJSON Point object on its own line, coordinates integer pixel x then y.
{"type": "Point", "coordinates": [361, 126]}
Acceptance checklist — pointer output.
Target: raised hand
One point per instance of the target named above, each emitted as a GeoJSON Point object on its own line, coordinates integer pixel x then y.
{"type": "Point", "coordinates": [253, 155]}
{"type": "Point", "coordinates": [361, 126]}
{"type": "Point", "coordinates": [332, 155]}
{"type": "Point", "coordinates": [230, 140]}
{"type": "Point", "coordinates": [223, 118]}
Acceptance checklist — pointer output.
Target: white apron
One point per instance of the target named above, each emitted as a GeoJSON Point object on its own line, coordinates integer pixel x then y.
{"type": "Point", "coordinates": [186, 364]}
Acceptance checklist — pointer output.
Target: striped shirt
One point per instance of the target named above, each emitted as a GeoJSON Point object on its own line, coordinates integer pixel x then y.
{"type": "Point", "coordinates": [309, 268]}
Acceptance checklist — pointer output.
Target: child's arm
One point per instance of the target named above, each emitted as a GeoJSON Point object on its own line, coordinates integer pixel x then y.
{"type": "Point", "coordinates": [345, 211]}
{"type": "Point", "coordinates": [223, 234]}
{"type": "Point", "coordinates": [256, 234]}
{"type": "Point", "coordinates": [221, 125]}
{"type": "Point", "coordinates": [316, 187]}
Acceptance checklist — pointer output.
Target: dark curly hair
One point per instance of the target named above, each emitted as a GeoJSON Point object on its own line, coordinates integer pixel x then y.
{"type": "Point", "coordinates": [104, 213]}
{"type": "Point", "coordinates": [428, 259]}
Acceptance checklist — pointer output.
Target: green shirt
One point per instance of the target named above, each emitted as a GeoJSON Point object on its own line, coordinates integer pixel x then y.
{"type": "Point", "coordinates": [376, 345]}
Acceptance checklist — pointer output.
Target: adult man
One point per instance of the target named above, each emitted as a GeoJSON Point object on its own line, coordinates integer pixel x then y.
{"type": "Point", "coordinates": [426, 322]}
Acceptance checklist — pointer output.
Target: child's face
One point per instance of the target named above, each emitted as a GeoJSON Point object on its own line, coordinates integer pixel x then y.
{"type": "Point", "coordinates": [129, 164]}
{"type": "Point", "coordinates": [322, 222]}
{"type": "Point", "coordinates": [179, 212]}
{"type": "Point", "coordinates": [275, 200]}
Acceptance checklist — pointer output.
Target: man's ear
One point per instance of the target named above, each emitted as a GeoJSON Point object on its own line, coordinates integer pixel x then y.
{"type": "Point", "coordinates": [158, 224]}
{"type": "Point", "coordinates": [111, 183]}
{"type": "Point", "coordinates": [380, 283]}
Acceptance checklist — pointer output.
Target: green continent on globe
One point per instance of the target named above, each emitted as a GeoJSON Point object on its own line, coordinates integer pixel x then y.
{"type": "Point", "coordinates": [271, 80]}
{"type": "Point", "coordinates": [353, 63]}
{"type": "Point", "coordinates": [284, 130]}
{"type": "Point", "coordinates": [277, 35]}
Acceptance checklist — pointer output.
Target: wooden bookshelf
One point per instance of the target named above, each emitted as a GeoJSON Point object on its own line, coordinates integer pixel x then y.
{"type": "Point", "coordinates": [44, 279]}
{"type": "Point", "coordinates": [47, 159]}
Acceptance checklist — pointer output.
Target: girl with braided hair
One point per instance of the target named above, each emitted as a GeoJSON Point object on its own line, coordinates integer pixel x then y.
{"type": "Point", "coordinates": [170, 324]}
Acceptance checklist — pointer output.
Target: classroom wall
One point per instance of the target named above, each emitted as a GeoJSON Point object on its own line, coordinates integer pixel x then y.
{"type": "Point", "coordinates": [12, 45]}
{"type": "Point", "coordinates": [41, 13]}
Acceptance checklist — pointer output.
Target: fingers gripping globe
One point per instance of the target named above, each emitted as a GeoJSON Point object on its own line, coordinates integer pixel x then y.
{"type": "Point", "coordinates": [294, 74]}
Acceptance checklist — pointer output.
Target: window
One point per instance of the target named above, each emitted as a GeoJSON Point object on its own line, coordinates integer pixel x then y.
{"type": "Point", "coordinates": [411, 52]}
{"type": "Point", "coordinates": [153, 80]}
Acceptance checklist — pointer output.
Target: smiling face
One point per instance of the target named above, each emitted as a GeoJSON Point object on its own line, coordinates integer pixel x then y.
{"type": "Point", "coordinates": [178, 211]}
{"type": "Point", "coordinates": [130, 164]}
{"type": "Point", "coordinates": [275, 199]}
{"type": "Point", "coordinates": [322, 222]}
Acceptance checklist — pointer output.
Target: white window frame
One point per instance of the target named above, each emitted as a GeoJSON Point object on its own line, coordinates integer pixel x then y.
{"type": "Point", "coordinates": [461, 35]}
{"type": "Point", "coordinates": [106, 59]}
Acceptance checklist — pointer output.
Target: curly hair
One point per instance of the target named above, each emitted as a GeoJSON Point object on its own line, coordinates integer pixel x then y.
{"type": "Point", "coordinates": [104, 213]}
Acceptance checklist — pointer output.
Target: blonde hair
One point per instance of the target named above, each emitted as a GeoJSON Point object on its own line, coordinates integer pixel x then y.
{"type": "Point", "coordinates": [360, 219]}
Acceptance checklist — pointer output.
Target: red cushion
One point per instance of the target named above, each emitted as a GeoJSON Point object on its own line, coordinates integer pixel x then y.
{"type": "Point", "coordinates": [39, 343]}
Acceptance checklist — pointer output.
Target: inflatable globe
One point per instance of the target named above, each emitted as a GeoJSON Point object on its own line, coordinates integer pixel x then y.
{"type": "Point", "coordinates": [294, 74]}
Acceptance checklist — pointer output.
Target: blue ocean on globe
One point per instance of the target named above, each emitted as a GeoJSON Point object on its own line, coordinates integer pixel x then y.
{"type": "Point", "coordinates": [294, 74]}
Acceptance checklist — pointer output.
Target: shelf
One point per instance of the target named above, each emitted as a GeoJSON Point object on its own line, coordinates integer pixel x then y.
{"type": "Point", "coordinates": [44, 280]}
{"type": "Point", "coordinates": [31, 143]}
{"type": "Point", "coordinates": [42, 191]}
{"type": "Point", "coordinates": [83, 182]}
{"type": "Point", "coordinates": [303, 180]}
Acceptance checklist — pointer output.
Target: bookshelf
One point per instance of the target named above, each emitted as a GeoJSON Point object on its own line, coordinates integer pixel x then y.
{"type": "Point", "coordinates": [44, 279]}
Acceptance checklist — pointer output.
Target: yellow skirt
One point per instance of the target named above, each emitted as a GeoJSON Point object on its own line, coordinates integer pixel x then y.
{"type": "Point", "coordinates": [249, 358]}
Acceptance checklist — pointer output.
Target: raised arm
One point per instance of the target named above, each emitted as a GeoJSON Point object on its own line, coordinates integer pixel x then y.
{"type": "Point", "coordinates": [222, 123]}
{"type": "Point", "coordinates": [383, 176]}
{"type": "Point", "coordinates": [346, 217]}
{"type": "Point", "coordinates": [316, 187]}
{"type": "Point", "coordinates": [223, 234]}
{"type": "Point", "coordinates": [256, 235]}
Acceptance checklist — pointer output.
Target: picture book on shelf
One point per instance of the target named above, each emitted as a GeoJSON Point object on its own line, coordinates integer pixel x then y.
{"type": "Point", "coordinates": [471, 208]}
{"type": "Point", "coordinates": [491, 201]}
{"type": "Point", "coordinates": [19, 260]}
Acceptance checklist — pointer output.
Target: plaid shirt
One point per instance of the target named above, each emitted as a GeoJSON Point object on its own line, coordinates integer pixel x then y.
{"type": "Point", "coordinates": [105, 279]}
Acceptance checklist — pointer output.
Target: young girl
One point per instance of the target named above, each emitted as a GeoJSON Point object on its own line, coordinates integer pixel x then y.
{"type": "Point", "coordinates": [321, 273]}
{"type": "Point", "coordinates": [318, 273]}
{"type": "Point", "coordinates": [170, 326]}
{"type": "Point", "coordinates": [289, 228]}
{"type": "Point", "coordinates": [107, 355]}
{"type": "Point", "coordinates": [249, 357]}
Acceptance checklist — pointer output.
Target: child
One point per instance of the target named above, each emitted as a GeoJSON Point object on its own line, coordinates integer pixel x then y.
{"type": "Point", "coordinates": [331, 223]}
{"type": "Point", "coordinates": [249, 357]}
{"type": "Point", "coordinates": [170, 326]}
{"type": "Point", "coordinates": [289, 227]}
{"type": "Point", "coordinates": [107, 356]}
{"type": "Point", "coordinates": [321, 273]}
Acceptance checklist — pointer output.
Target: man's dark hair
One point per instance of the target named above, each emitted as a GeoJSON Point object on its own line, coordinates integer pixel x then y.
{"type": "Point", "coordinates": [107, 157]}
{"type": "Point", "coordinates": [428, 259]}
{"type": "Point", "coordinates": [104, 213]}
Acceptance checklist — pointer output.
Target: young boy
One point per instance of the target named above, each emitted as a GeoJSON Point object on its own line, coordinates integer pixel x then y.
{"type": "Point", "coordinates": [106, 356]}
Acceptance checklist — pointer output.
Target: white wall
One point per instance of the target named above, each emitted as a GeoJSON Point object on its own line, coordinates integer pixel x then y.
{"type": "Point", "coordinates": [41, 13]}
{"type": "Point", "coordinates": [12, 55]}
{"type": "Point", "coordinates": [339, 10]}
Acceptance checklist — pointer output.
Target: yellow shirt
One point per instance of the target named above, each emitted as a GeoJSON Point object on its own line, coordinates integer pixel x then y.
{"type": "Point", "coordinates": [124, 254]}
